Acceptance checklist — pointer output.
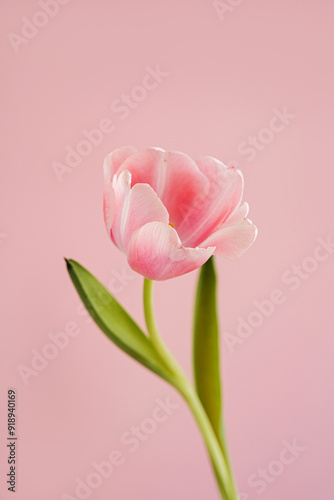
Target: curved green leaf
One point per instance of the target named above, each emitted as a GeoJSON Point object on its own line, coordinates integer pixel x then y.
{"type": "Point", "coordinates": [114, 321]}
{"type": "Point", "coordinates": [206, 347]}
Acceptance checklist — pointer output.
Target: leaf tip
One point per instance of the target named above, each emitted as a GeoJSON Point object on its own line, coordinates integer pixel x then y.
{"type": "Point", "coordinates": [68, 263]}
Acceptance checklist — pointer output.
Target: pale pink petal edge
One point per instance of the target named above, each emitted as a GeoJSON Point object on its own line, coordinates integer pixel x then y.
{"type": "Point", "coordinates": [156, 252]}
{"type": "Point", "coordinates": [231, 241]}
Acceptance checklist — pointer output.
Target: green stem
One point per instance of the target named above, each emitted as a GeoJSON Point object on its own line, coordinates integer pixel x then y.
{"type": "Point", "coordinates": [152, 328]}
{"type": "Point", "coordinates": [218, 456]}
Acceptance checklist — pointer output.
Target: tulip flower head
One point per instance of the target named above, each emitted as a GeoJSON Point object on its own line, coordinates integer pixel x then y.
{"type": "Point", "coordinates": [169, 213]}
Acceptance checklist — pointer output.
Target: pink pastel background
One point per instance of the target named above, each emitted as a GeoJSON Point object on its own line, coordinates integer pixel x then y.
{"type": "Point", "coordinates": [223, 77]}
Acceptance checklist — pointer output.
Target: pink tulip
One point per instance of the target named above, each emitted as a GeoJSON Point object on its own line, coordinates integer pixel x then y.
{"type": "Point", "coordinates": [169, 214]}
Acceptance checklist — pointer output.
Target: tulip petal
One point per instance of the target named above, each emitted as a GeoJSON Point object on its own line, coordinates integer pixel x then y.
{"type": "Point", "coordinates": [111, 164]}
{"type": "Point", "coordinates": [175, 178]}
{"type": "Point", "coordinates": [231, 241]}
{"type": "Point", "coordinates": [108, 205]}
{"type": "Point", "coordinates": [155, 251]}
{"type": "Point", "coordinates": [181, 181]}
{"type": "Point", "coordinates": [211, 209]}
{"type": "Point", "coordinates": [114, 160]}
{"type": "Point", "coordinates": [145, 167]}
{"type": "Point", "coordinates": [237, 216]}
{"type": "Point", "coordinates": [135, 207]}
